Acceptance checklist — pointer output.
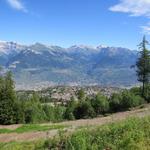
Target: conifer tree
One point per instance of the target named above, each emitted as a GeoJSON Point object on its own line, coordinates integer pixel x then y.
{"type": "Point", "coordinates": [143, 65]}
{"type": "Point", "coordinates": [7, 99]}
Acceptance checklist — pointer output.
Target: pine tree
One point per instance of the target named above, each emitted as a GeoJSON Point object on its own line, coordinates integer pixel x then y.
{"type": "Point", "coordinates": [143, 65]}
{"type": "Point", "coordinates": [7, 100]}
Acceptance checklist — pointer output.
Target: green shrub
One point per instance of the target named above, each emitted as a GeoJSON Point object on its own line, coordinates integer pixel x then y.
{"type": "Point", "coordinates": [59, 113]}
{"type": "Point", "coordinates": [45, 99]}
{"type": "Point", "coordinates": [136, 91]}
{"type": "Point", "coordinates": [125, 100]}
{"type": "Point", "coordinates": [81, 94]}
{"type": "Point", "coordinates": [69, 114]}
{"type": "Point", "coordinates": [100, 104]}
{"type": "Point", "coordinates": [49, 112]}
{"type": "Point", "coordinates": [115, 102]}
{"type": "Point", "coordinates": [33, 110]}
{"type": "Point", "coordinates": [130, 100]}
{"type": "Point", "coordinates": [147, 93]}
{"type": "Point", "coordinates": [84, 110]}
{"type": "Point", "coordinates": [19, 108]}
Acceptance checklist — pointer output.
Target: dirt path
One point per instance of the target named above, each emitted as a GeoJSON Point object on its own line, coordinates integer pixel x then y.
{"type": "Point", "coordinates": [74, 124]}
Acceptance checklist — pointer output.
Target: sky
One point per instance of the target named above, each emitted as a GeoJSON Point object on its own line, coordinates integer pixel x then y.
{"type": "Point", "coordinates": [72, 22]}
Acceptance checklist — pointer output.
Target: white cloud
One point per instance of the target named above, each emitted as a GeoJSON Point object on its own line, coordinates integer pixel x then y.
{"type": "Point", "coordinates": [17, 4]}
{"type": "Point", "coordinates": [146, 29]}
{"type": "Point", "coordinates": [133, 7]}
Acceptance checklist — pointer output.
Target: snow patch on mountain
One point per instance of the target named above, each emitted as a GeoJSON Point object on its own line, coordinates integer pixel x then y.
{"type": "Point", "coordinates": [14, 64]}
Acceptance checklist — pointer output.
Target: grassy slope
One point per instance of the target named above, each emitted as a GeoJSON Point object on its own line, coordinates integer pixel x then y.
{"type": "Point", "coordinates": [131, 134]}
{"type": "Point", "coordinates": [32, 127]}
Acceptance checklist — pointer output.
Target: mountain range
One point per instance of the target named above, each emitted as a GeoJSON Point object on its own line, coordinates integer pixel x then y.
{"type": "Point", "coordinates": [39, 65]}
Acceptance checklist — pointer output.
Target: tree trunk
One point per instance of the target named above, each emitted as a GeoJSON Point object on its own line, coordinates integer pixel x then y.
{"type": "Point", "coordinates": [143, 90]}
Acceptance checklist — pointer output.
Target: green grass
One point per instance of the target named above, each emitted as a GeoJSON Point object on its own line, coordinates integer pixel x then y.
{"type": "Point", "coordinates": [5, 131]}
{"type": "Point", "coordinates": [34, 145]}
{"type": "Point", "coordinates": [131, 134]}
{"type": "Point", "coordinates": [32, 128]}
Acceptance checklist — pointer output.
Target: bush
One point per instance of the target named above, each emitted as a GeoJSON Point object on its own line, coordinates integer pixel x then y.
{"type": "Point", "coordinates": [49, 111]}
{"type": "Point", "coordinates": [84, 110]}
{"type": "Point", "coordinates": [100, 104]}
{"type": "Point", "coordinates": [19, 108]}
{"type": "Point", "coordinates": [136, 91]}
{"type": "Point", "coordinates": [46, 99]}
{"type": "Point", "coordinates": [33, 110]}
{"type": "Point", "coordinates": [147, 93]}
{"type": "Point", "coordinates": [124, 101]}
{"type": "Point", "coordinates": [115, 102]}
{"type": "Point", "coordinates": [130, 100]}
{"type": "Point", "coordinates": [59, 113]}
{"type": "Point", "coordinates": [81, 94]}
{"type": "Point", "coordinates": [69, 114]}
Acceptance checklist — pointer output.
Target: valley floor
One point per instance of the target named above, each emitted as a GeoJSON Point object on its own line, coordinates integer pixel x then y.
{"type": "Point", "coordinates": [8, 134]}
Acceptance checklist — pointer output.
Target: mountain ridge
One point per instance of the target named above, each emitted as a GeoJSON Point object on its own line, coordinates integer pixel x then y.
{"type": "Point", "coordinates": [76, 65]}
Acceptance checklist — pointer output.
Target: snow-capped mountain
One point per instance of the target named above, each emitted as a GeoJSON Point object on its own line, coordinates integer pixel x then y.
{"type": "Point", "coordinates": [8, 48]}
{"type": "Point", "coordinates": [81, 64]}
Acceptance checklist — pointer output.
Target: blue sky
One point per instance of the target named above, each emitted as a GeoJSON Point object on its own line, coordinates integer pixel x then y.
{"type": "Point", "coordinates": [70, 22]}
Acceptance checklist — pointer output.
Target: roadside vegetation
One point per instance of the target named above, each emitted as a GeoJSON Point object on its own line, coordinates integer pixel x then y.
{"type": "Point", "coordinates": [130, 134]}
{"type": "Point", "coordinates": [32, 128]}
{"type": "Point", "coordinates": [133, 133]}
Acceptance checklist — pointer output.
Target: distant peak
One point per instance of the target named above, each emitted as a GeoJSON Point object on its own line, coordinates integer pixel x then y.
{"type": "Point", "coordinates": [38, 43]}
{"type": "Point", "coordinates": [102, 46]}
{"type": "Point", "coordinates": [83, 46]}
{"type": "Point", "coordinates": [3, 41]}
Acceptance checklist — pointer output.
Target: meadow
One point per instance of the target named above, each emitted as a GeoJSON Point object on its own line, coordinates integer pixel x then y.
{"type": "Point", "coordinates": [130, 134]}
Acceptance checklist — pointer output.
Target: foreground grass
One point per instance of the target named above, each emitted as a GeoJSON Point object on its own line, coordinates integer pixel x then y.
{"type": "Point", "coordinates": [32, 128]}
{"type": "Point", "coordinates": [131, 134]}
{"type": "Point", "coordinates": [35, 145]}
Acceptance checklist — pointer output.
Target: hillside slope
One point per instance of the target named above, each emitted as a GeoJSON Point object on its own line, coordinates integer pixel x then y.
{"type": "Point", "coordinates": [70, 126]}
